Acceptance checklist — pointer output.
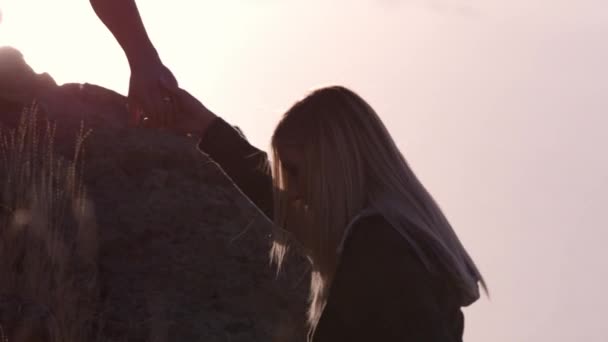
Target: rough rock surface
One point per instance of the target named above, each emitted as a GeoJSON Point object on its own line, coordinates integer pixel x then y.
{"type": "Point", "coordinates": [183, 256]}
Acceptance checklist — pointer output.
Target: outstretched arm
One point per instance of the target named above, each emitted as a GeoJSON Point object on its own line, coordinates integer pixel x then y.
{"type": "Point", "coordinates": [147, 97]}
{"type": "Point", "coordinates": [247, 166]}
{"type": "Point", "coordinates": [122, 18]}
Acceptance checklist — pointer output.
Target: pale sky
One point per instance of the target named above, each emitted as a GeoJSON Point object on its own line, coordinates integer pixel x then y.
{"type": "Point", "coordinates": [501, 107]}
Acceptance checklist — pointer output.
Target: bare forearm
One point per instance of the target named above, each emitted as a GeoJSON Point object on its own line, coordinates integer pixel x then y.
{"type": "Point", "coordinates": [122, 18]}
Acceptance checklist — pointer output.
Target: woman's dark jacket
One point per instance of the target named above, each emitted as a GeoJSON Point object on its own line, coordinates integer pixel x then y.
{"type": "Point", "coordinates": [381, 290]}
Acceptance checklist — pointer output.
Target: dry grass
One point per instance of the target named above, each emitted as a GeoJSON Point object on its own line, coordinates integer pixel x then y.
{"type": "Point", "coordinates": [48, 239]}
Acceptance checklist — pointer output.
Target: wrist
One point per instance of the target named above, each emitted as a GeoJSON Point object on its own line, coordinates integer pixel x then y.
{"type": "Point", "coordinates": [143, 59]}
{"type": "Point", "coordinates": [202, 126]}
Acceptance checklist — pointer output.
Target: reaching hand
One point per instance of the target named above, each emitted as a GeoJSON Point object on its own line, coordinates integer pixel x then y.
{"type": "Point", "coordinates": [190, 116]}
{"type": "Point", "coordinates": [150, 95]}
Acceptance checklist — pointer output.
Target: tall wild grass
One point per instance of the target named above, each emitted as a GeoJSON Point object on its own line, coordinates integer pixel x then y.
{"type": "Point", "coordinates": [48, 238]}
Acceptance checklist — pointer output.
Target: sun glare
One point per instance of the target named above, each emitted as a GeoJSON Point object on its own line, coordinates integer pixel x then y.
{"type": "Point", "coordinates": [65, 39]}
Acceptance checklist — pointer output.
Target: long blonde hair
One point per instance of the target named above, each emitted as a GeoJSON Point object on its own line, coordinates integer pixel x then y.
{"type": "Point", "coordinates": [352, 164]}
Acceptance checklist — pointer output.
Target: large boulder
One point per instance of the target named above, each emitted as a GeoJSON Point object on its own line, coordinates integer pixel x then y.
{"type": "Point", "coordinates": [183, 255]}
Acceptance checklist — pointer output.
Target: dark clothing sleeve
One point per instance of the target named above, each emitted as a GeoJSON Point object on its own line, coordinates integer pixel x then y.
{"type": "Point", "coordinates": [383, 292]}
{"type": "Point", "coordinates": [247, 166]}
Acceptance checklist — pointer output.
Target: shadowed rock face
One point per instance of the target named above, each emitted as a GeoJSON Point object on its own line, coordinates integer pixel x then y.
{"type": "Point", "coordinates": [183, 256]}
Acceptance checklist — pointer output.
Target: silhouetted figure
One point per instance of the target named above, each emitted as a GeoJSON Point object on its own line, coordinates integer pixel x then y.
{"type": "Point", "coordinates": [146, 96]}
{"type": "Point", "coordinates": [386, 263]}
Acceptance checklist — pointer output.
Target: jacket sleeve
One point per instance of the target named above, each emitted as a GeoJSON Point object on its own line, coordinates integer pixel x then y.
{"type": "Point", "coordinates": [247, 166]}
{"type": "Point", "coordinates": [382, 292]}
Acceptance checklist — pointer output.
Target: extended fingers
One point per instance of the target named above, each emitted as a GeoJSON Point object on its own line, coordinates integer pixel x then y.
{"type": "Point", "coordinates": [165, 108]}
{"type": "Point", "coordinates": [149, 116]}
{"type": "Point", "coordinates": [168, 110]}
{"type": "Point", "coordinates": [160, 110]}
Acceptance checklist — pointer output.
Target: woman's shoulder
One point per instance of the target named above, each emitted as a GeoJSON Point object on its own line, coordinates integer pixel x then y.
{"type": "Point", "coordinates": [374, 230]}
{"type": "Point", "coordinates": [376, 250]}
{"type": "Point", "coordinates": [381, 279]}
{"type": "Point", "coordinates": [373, 236]}
{"type": "Point", "coordinates": [373, 241]}
{"type": "Point", "coordinates": [370, 231]}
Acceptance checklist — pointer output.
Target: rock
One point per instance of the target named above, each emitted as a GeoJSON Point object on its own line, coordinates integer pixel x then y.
{"type": "Point", "coordinates": [18, 81]}
{"type": "Point", "coordinates": [183, 256]}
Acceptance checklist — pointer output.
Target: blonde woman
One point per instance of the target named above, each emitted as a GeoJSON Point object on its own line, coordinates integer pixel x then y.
{"type": "Point", "coordinates": [386, 264]}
